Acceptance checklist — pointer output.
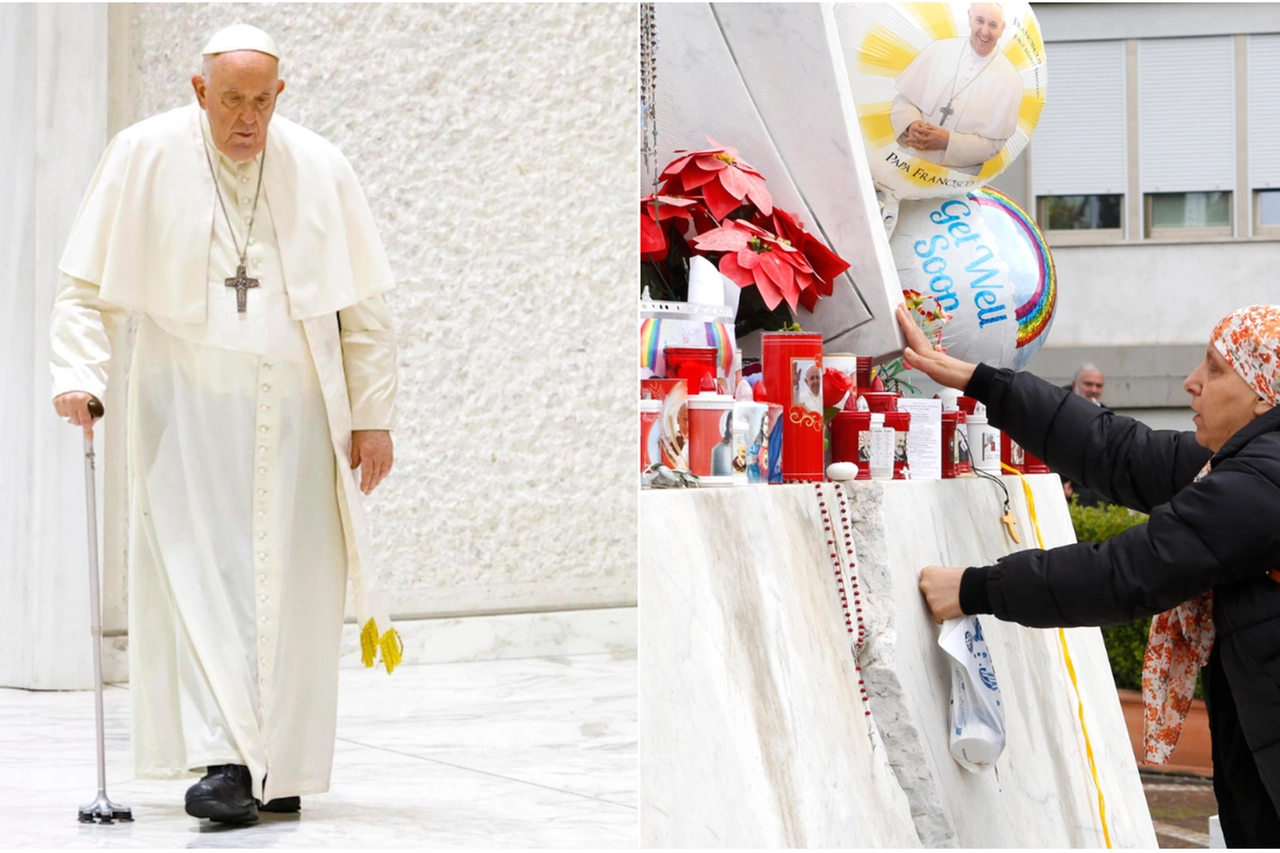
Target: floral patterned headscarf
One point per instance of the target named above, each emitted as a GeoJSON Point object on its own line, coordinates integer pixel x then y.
{"type": "Point", "coordinates": [1249, 339]}
{"type": "Point", "coordinates": [1182, 638]}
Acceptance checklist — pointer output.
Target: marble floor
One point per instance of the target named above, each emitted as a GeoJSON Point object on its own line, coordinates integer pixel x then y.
{"type": "Point", "coordinates": [538, 752]}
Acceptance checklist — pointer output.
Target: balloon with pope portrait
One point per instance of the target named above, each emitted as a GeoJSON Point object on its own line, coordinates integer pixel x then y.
{"type": "Point", "coordinates": [947, 94]}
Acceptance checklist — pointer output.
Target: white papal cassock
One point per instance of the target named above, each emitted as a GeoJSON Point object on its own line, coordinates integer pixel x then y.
{"type": "Point", "coordinates": [981, 93]}
{"type": "Point", "coordinates": [241, 527]}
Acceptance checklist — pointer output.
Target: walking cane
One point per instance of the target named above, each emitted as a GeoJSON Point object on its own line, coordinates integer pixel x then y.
{"type": "Point", "coordinates": [101, 809]}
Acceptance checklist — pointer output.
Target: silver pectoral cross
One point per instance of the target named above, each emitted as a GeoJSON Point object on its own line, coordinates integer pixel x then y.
{"type": "Point", "coordinates": [946, 114]}
{"type": "Point", "coordinates": [241, 282]}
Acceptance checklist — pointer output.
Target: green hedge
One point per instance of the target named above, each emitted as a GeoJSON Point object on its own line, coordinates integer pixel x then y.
{"type": "Point", "coordinates": [1126, 644]}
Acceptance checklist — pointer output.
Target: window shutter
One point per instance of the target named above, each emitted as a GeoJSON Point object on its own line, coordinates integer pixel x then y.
{"type": "Point", "coordinates": [1080, 143]}
{"type": "Point", "coordinates": [1187, 114]}
{"type": "Point", "coordinates": [1264, 111]}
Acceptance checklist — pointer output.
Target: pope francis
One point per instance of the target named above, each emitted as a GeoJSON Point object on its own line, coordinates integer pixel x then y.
{"type": "Point", "coordinates": [263, 377]}
{"type": "Point", "coordinates": [958, 100]}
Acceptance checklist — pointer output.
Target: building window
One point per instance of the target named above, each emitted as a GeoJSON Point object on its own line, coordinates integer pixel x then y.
{"type": "Point", "coordinates": [1081, 212]}
{"type": "Point", "coordinates": [1183, 215]}
{"type": "Point", "coordinates": [1266, 206]}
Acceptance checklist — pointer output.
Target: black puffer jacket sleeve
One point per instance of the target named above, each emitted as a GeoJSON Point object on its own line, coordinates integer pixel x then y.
{"type": "Point", "coordinates": [1201, 535]}
{"type": "Point", "coordinates": [1122, 459]}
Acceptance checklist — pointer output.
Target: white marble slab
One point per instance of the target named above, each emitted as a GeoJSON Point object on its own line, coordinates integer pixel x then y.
{"type": "Point", "coordinates": [754, 734]}
{"type": "Point", "coordinates": [1042, 791]}
{"type": "Point", "coordinates": [518, 753]}
{"type": "Point", "coordinates": [746, 614]}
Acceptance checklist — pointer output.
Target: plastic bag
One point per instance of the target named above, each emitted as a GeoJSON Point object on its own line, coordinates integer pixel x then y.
{"type": "Point", "coordinates": [976, 714]}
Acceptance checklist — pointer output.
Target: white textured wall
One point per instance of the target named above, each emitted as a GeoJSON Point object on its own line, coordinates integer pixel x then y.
{"type": "Point", "coordinates": [496, 144]}
{"type": "Point", "coordinates": [50, 138]}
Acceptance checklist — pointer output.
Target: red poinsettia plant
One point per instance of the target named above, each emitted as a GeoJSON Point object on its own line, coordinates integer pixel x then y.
{"type": "Point", "coordinates": [714, 203]}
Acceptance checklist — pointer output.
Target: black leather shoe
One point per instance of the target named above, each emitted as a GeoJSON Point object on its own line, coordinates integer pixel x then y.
{"type": "Point", "coordinates": [225, 795]}
{"type": "Point", "coordinates": [282, 805]}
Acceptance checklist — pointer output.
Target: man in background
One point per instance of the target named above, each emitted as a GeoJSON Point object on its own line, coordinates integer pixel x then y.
{"type": "Point", "coordinates": [1087, 383]}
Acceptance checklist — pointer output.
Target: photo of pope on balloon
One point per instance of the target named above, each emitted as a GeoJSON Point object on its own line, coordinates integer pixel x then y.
{"type": "Point", "coordinates": [957, 102]}
{"type": "Point", "coordinates": [948, 94]}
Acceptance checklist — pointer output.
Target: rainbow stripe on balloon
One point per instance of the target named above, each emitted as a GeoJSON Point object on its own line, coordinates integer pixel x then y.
{"type": "Point", "coordinates": [1035, 313]}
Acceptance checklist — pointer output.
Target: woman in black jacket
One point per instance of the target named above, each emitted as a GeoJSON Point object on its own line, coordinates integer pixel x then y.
{"type": "Point", "coordinates": [1206, 565]}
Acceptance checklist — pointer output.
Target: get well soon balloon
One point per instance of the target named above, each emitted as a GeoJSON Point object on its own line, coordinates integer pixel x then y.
{"type": "Point", "coordinates": [947, 93]}
{"type": "Point", "coordinates": [986, 265]}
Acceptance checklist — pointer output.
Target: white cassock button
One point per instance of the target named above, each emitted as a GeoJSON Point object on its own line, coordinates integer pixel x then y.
{"type": "Point", "coordinates": [262, 555]}
{"type": "Point", "coordinates": [244, 201]}
{"type": "Point", "coordinates": [266, 387]}
{"type": "Point", "coordinates": [262, 470]}
{"type": "Point", "coordinates": [253, 241]}
{"type": "Point", "coordinates": [262, 491]}
{"type": "Point", "coordinates": [266, 365]}
{"type": "Point", "coordinates": [244, 179]}
{"type": "Point", "coordinates": [248, 219]}
{"type": "Point", "coordinates": [257, 262]}
{"type": "Point", "coordinates": [262, 428]}
{"type": "Point", "coordinates": [262, 578]}
{"type": "Point", "coordinates": [266, 408]}
{"type": "Point", "coordinates": [262, 661]}
{"type": "Point", "coordinates": [262, 514]}
{"type": "Point", "coordinates": [262, 534]}
{"type": "Point", "coordinates": [263, 620]}
{"type": "Point", "coordinates": [262, 598]}
{"type": "Point", "coordinates": [262, 640]}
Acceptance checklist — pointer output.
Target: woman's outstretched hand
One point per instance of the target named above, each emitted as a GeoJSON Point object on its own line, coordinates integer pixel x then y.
{"type": "Point", "coordinates": [920, 354]}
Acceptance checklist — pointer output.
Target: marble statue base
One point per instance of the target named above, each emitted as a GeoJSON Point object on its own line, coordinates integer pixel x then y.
{"type": "Point", "coordinates": [753, 729]}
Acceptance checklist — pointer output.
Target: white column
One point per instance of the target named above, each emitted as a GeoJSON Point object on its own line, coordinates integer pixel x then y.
{"type": "Point", "coordinates": [53, 122]}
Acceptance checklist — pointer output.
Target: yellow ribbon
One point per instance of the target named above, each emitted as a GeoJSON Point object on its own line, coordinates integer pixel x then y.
{"type": "Point", "coordinates": [390, 644]}
{"type": "Point", "coordinates": [1071, 670]}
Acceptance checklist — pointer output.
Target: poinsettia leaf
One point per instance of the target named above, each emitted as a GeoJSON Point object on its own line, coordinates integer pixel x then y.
{"type": "Point", "coordinates": [718, 200]}
{"type": "Point", "coordinates": [694, 177]}
{"type": "Point", "coordinates": [759, 195]}
{"type": "Point", "coordinates": [726, 238]}
{"type": "Point", "coordinates": [734, 183]}
{"type": "Point", "coordinates": [826, 263]}
{"type": "Point", "coordinates": [710, 163]}
{"type": "Point", "coordinates": [674, 167]}
{"type": "Point", "coordinates": [729, 269]}
{"type": "Point", "coordinates": [748, 258]}
{"type": "Point", "coordinates": [652, 239]}
{"type": "Point", "coordinates": [768, 290]}
{"type": "Point", "coordinates": [809, 299]}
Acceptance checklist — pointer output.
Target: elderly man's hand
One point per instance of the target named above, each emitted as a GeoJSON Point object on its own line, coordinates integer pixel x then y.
{"type": "Point", "coordinates": [74, 406]}
{"type": "Point", "coordinates": [941, 588]}
{"type": "Point", "coordinates": [371, 452]}
{"type": "Point", "coordinates": [937, 365]}
{"type": "Point", "coordinates": [923, 136]}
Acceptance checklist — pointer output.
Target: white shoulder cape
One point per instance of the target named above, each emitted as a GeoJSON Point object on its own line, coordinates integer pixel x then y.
{"type": "Point", "coordinates": [144, 228]}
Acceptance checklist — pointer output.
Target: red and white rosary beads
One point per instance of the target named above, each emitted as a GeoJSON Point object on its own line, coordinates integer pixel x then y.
{"type": "Point", "coordinates": [828, 526]}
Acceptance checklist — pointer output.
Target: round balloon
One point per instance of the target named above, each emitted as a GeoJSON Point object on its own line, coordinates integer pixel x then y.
{"type": "Point", "coordinates": [977, 275]}
{"type": "Point", "coordinates": [947, 93]}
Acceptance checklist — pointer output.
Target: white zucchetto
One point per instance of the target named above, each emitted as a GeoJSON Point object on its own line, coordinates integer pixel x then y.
{"type": "Point", "coordinates": [241, 37]}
